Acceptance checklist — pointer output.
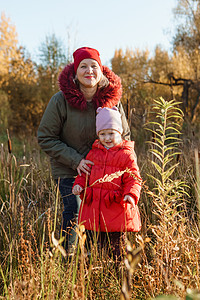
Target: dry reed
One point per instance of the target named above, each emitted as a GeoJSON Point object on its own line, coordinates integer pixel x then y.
{"type": "Point", "coordinates": [31, 263]}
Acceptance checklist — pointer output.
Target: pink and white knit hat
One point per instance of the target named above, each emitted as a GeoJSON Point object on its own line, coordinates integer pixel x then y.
{"type": "Point", "coordinates": [108, 118]}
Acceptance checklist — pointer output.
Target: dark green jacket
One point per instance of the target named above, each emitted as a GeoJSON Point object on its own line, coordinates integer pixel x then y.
{"type": "Point", "coordinates": [67, 129]}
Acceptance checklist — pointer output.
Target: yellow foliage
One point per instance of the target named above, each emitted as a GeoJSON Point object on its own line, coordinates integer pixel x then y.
{"type": "Point", "coordinates": [8, 44]}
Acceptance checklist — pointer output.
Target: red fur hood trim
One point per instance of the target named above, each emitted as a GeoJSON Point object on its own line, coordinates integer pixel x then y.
{"type": "Point", "coordinates": [104, 97]}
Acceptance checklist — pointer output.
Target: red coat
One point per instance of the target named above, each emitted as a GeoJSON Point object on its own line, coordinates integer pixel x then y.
{"type": "Point", "coordinates": [103, 207]}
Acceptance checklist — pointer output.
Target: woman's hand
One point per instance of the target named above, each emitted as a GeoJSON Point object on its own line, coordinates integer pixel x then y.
{"type": "Point", "coordinates": [83, 166]}
{"type": "Point", "coordinates": [130, 199]}
{"type": "Point", "coordinates": [77, 189]}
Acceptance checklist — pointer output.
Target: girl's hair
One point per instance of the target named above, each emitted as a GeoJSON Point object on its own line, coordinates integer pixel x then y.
{"type": "Point", "coordinates": [104, 82]}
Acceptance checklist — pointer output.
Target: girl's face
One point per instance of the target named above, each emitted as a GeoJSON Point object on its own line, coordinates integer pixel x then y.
{"type": "Point", "coordinates": [109, 137]}
{"type": "Point", "coordinates": [88, 73]}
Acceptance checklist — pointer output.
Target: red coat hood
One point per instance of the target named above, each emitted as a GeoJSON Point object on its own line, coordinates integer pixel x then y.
{"type": "Point", "coordinates": [104, 97]}
{"type": "Point", "coordinates": [129, 145]}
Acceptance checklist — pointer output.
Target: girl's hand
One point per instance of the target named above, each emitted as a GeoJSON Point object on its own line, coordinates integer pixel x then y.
{"type": "Point", "coordinates": [130, 199]}
{"type": "Point", "coordinates": [77, 189]}
{"type": "Point", "coordinates": [83, 166]}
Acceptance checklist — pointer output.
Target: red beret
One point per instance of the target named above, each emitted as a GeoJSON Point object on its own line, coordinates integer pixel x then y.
{"type": "Point", "coordinates": [83, 53]}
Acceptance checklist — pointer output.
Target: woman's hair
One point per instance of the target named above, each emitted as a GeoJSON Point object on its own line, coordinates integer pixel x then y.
{"type": "Point", "coordinates": [103, 82]}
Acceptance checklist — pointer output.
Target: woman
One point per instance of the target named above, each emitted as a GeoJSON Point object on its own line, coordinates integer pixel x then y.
{"type": "Point", "coordinates": [67, 129]}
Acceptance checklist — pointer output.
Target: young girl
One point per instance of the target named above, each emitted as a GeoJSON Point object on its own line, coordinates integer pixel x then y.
{"type": "Point", "coordinates": [109, 208]}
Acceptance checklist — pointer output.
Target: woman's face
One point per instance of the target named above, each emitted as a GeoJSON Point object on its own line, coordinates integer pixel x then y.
{"type": "Point", "coordinates": [88, 73]}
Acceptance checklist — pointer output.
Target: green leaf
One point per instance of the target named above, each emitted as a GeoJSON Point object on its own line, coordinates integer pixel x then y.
{"type": "Point", "coordinates": [175, 115]}
{"type": "Point", "coordinates": [159, 141]}
{"type": "Point", "coordinates": [159, 183]}
{"type": "Point", "coordinates": [157, 154]}
{"type": "Point", "coordinates": [174, 154]}
{"type": "Point", "coordinates": [168, 149]}
{"type": "Point", "coordinates": [156, 145]}
{"type": "Point", "coordinates": [166, 161]}
{"type": "Point", "coordinates": [169, 172]}
{"type": "Point", "coordinates": [152, 130]}
{"type": "Point", "coordinates": [173, 128]}
{"type": "Point", "coordinates": [158, 168]}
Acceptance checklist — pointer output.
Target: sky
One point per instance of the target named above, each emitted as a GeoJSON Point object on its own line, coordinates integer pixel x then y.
{"type": "Point", "coordinates": [106, 25]}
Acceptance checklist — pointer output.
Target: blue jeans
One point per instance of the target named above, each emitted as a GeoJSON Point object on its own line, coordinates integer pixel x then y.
{"type": "Point", "coordinates": [71, 209]}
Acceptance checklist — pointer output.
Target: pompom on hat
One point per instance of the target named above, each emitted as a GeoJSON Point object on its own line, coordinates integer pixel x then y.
{"type": "Point", "coordinates": [108, 118]}
{"type": "Point", "coordinates": [83, 53]}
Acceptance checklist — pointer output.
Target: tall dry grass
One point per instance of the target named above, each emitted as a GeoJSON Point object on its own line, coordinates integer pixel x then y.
{"type": "Point", "coordinates": [162, 259]}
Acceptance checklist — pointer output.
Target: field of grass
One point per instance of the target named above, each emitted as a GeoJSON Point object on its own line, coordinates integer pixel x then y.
{"type": "Point", "coordinates": [162, 259]}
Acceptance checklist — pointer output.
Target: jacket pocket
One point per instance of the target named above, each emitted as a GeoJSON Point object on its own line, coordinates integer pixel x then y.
{"type": "Point", "coordinates": [113, 196]}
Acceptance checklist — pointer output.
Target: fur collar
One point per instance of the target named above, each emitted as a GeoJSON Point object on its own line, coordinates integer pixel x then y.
{"type": "Point", "coordinates": [104, 97]}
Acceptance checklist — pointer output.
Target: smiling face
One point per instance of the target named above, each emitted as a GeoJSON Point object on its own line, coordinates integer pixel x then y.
{"type": "Point", "coordinates": [109, 137]}
{"type": "Point", "coordinates": [89, 73]}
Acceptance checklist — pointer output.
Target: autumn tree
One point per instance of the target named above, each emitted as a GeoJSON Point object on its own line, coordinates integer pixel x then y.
{"type": "Point", "coordinates": [186, 43]}
{"type": "Point", "coordinates": [8, 45]}
{"type": "Point", "coordinates": [22, 89]}
{"type": "Point", "coordinates": [170, 76]}
{"type": "Point", "coordinates": [132, 67]}
{"type": "Point", "coordinates": [26, 87]}
{"type": "Point", "coordinates": [183, 74]}
{"type": "Point", "coordinates": [8, 50]}
{"type": "Point", "coordinates": [138, 70]}
{"type": "Point", "coordinates": [52, 60]}
{"type": "Point", "coordinates": [17, 82]}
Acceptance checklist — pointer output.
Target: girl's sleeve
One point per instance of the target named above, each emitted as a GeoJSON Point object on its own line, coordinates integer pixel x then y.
{"type": "Point", "coordinates": [80, 180]}
{"type": "Point", "coordinates": [83, 179]}
{"type": "Point", "coordinates": [131, 179]}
